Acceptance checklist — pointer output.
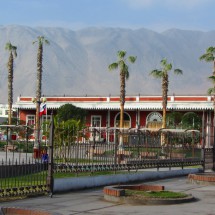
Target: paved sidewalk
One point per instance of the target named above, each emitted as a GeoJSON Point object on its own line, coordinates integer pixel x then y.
{"type": "Point", "coordinates": [91, 202]}
{"type": "Point", "coordinates": [19, 157]}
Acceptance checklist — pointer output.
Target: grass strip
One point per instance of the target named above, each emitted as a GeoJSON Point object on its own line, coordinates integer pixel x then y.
{"type": "Point", "coordinates": [155, 194]}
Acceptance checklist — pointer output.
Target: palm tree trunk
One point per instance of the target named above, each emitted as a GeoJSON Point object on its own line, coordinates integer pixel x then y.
{"type": "Point", "coordinates": [38, 96]}
{"type": "Point", "coordinates": [164, 118]}
{"type": "Point", "coordinates": [10, 88]}
{"type": "Point", "coordinates": [121, 116]}
{"type": "Point", "coordinates": [122, 102]}
{"type": "Point", "coordinates": [164, 92]}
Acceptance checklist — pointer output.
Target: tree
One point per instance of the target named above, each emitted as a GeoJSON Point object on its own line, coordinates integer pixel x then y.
{"type": "Point", "coordinates": [69, 111]}
{"type": "Point", "coordinates": [174, 119]}
{"type": "Point", "coordinates": [12, 54]}
{"type": "Point", "coordinates": [191, 120]}
{"type": "Point", "coordinates": [41, 41]}
{"type": "Point", "coordinates": [124, 75]}
{"type": "Point", "coordinates": [68, 122]}
{"type": "Point", "coordinates": [163, 74]}
{"type": "Point", "coordinates": [209, 56]}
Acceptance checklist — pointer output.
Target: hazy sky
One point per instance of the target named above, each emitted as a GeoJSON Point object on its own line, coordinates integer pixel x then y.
{"type": "Point", "coordinates": [157, 15]}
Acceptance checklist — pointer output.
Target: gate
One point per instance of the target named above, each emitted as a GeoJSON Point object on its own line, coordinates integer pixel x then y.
{"type": "Point", "coordinates": [209, 159]}
{"type": "Point", "coordinates": [76, 153]}
{"type": "Point", "coordinates": [20, 172]}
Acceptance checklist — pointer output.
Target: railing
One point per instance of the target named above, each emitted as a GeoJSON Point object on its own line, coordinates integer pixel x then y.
{"type": "Point", "coordinates": [92, 150]}
{"type": "Point", "coordinates": [20, 172]}
{"type": "Point", "coordinates": [139, 149]}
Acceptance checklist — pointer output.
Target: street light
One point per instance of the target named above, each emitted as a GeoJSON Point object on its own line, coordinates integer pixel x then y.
{"type": "Point", "coordinates": [37, 125]}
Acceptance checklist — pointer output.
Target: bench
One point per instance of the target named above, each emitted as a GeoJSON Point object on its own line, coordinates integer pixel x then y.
{"type": "Point", "coordinates": [148, 155]}
{"type": "Point", "coordinates": [97, 140]}
{"type": "Point", "coordinates": [10, 148]}
{"type": "Point", "coordinates": [95, 152]}
{"type": "Point", "coordinates": [124, 153]}
{"type": "Point", "coordinates": [175, 155]}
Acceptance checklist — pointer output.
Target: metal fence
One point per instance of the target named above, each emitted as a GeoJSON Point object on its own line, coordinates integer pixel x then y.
{"type": "Point", "coordinates": [112, 149]}
{"type": "Point", "coordinates": [89, 151]}
{"type": "Point", "coordinates": [20, 172]}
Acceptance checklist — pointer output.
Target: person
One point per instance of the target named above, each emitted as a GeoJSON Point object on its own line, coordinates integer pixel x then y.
{"type": "Point", "coordinates": [45, 157]}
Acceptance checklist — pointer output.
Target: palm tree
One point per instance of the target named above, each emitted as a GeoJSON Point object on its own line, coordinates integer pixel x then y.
{"type": "Point", "coordinates": [164, 75]}
{"type": "Point", "coordinates": [209, 56]}
{"type": "Point", "coordinates": [124, 75]}
{"type": "Point", "coordinates": [12, 54]}
{"type": "Point", "coordinates": [41, 41]}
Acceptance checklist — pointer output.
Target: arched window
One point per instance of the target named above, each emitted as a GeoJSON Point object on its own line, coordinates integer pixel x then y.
{"type": "Point", "coordinates": [127, 120]}
{"type": "Point", "coordinates": [154, 120]}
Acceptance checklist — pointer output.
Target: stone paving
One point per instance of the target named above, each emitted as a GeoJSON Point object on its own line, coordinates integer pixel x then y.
{"type": "Point", "coordinates": [13, 157]}
{"type": "Point", "coordinates": [91, 202]}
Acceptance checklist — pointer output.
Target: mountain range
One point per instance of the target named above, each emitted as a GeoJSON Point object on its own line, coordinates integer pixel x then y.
{"type": "Point", "coordinates": [76, 61]}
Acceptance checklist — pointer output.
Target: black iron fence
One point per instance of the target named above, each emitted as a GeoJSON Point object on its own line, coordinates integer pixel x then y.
{"type": "Point", "coordinates": [112, 149]}
{"type": "Point", "coordinates": [20, 172]}
{"type": "Point", "coordinates": [89, 151]}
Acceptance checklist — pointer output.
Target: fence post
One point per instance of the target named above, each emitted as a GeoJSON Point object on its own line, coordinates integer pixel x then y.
{"type": "Point", "coordinates": [50, 179]}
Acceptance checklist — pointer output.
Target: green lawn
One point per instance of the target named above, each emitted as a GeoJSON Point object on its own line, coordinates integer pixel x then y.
{"type": "Point", "coordinates": [155, 194]}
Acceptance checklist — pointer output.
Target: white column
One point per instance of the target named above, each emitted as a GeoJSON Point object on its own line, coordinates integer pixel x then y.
{"type": "Point", "coordinates": [108, 125]}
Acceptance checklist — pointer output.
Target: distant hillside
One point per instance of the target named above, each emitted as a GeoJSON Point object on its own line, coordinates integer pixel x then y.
{"type": "Point", "coordinates": [76, 62]}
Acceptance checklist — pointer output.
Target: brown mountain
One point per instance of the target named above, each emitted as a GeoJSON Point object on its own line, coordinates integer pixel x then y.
{"type": "Point", "coordinates": [76, 62]}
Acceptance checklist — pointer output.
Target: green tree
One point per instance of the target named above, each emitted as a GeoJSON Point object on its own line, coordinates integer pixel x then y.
{"type": "Point", "coordinates": [124, 75]}
{"type": "Point", "coordinates": [12, 54]}
{"type": "Point", "coordinates": [69, 111]}
{"type": "Point", "coordinates": [191, 120]}
{"type": "Point", "coordinates": [174, 119]}
{"type": "Point", "coordinates": [163, 74]}
{"type": "Point", "coordinates": [68, 122]}
{"type": "Point", "coordinates": [209, 56]}
{"type": "Point", "coordinates": [41, 41]}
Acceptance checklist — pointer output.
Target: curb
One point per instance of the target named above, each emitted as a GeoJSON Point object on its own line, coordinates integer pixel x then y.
{"type": "Point", "coordinates": [78, 183]}
{"type": "Point", "coordinates": [117, 194]}
{"type": "Point", "coordinates": [148, 201]}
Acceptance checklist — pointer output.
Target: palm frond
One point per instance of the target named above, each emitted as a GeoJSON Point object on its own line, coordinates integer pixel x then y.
{"type": "Point", "coordinates": [15, 53]}
{"type": "Point", "coordinates": [127, 75]}
{"type": "Point", "coordinates": [46, 42]}
{"type": "Point", "coordinates": [211, 91]}
{"type": "Point", "coordinates": [113, 66]}
{"type": "Point", "coordinates": [209, 55]}
{"type": "Point", "coordinates": [125, 70]}
{"type": "Point", "coordinates": [163, 62]}
{"type": "Point", "coordinates": [132, 59]}
{"type": "Point", "coordinates": [41, 40]}
{"type": "Point", "coordinates": [11, 48]}
{"type": "Point", "coordinates": [121, 64]}
{"type": "Point", "coordinates": [212, 79]}
{"type": "Point", "coordinates": [166, 66]}
{"type": "Point", "coordinates": [211, 49]}
{"type": "Point", "coordinates": [8, 46]}
{"type": "Point", "coordinates": [178, 71]}
{"type": "Point", "coordinates": [156, 73]}
{"type": "Point", "coordinates": [121, 54]}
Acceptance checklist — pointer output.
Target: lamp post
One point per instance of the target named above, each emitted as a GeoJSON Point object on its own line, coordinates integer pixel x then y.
{"type": "Point", "coordinates": [38, 102]}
